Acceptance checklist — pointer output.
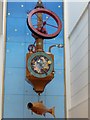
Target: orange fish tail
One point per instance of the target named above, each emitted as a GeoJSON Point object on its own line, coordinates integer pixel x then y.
{"type": "Point", "coordinates": [52, 111]}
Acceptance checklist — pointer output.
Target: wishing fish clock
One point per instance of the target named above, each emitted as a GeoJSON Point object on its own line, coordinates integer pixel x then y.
{"type": "Point", "coordinates": [39, 64]}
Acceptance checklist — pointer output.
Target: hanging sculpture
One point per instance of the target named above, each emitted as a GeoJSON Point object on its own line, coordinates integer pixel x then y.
{"type": "Point", "coordinates": [39, 64]}
{"type": "Point", "coordinates": [40, 109]}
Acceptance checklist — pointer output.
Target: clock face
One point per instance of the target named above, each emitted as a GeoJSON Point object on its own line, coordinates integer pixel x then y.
{"type": "Point", "coordinates": [40, 64]}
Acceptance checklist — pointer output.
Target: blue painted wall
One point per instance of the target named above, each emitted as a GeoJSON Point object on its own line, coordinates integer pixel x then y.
{"type": "Point", "coordinates": [17, 92]}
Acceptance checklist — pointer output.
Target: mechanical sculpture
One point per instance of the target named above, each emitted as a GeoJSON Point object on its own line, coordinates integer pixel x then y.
{"type": "Point", "coordinates": [39, 64]}
{"type": "Point", "coordinates": [40, 109]}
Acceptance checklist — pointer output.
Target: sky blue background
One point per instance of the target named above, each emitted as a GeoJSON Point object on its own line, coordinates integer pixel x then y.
{"type": "Point", "coordinates": [18, 92]}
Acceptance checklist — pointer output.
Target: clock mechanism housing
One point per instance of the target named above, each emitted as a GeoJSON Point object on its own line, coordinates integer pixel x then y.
{"type": "Point", "coordinates": [40, 64]}
{"type": "Point", "coordinates": [39, 69]}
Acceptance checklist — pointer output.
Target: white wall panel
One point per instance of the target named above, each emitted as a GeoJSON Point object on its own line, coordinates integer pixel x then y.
{"type": "Point", "coordinates": [89, 27]}
{"type": "Point", "coordinates": [89, 74]}
{"type": "Point", "coordinates": [89, 42]}
{"type": "Point", "coordinates": [78, 37]}
{"type": "Point", "coordinates": [89, 91]}
{"type": "Point", "coordinates": [89, 58]}
{"type": "Point", "coordinates": [89, 108]}
{"type": "Point", "coordinates": [1, 17]}
{"type": "Point", "coordinates": [80, 111]}
{"type": "Point", "coordinates": [79, 69]}
{"type": "Point", "coordinates": [79, 28]}
{"type": "Point", "coordinates": [75, 10]}
{"type": "Point", "coordinates": [79, 55]}
{"type": "Point", "coordinates": [89, 64]}
{"type": "Point", "coordinates": [80, 96]}
{"type": "Point", "coordinates": [80, 83]}
{"type": "Point", "coordinates": [83, 36]}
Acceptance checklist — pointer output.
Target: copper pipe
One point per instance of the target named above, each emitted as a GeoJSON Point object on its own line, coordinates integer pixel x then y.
{"type": "Point", "coordinates": [39, 45]}
{"type": "Point", "coordinates": [39, 41]}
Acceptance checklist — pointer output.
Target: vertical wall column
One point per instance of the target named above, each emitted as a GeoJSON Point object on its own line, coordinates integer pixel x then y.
{"type": "Point", "coordinates": [78, 42]}
{"type": "Point", "coordinates": [1, 72]}
{"type": "Point", "coordinates": [1, 40]}
{"type": "Point", "coordinates": [2, 51]}
{"type": "Point", "coordinates": [1, 18]}
{"type": "Point", "coordinates": [67, 60]}
{"type": "Point", "coordinates": [89, 61]}
{"type": "Point", "coordinates": [79, 67]}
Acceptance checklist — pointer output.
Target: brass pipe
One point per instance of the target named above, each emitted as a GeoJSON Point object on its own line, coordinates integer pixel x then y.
{"type": "Point", "coordinates": [39, 45]}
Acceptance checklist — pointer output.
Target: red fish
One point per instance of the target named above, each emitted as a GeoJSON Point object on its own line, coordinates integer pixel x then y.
{"type": "Point", "coordinates": [40, 109]}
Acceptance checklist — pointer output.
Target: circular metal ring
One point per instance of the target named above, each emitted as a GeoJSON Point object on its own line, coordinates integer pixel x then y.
{"type": "Point", "coordinates": [37, 31]}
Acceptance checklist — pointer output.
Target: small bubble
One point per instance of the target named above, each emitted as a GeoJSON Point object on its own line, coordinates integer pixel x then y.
{"type": "Point", "coordinates": [27, 33]}
{"type": "Point", "coordinates": [22, 6]}
{"type": "Point", "coordinates": [15, 30]}
{"type": "Point", "coordinates": [8, 50]}
{"type": "Point", "coordinates": [59, 6]}
{"type": "Point", "coordinates": [8, 13]}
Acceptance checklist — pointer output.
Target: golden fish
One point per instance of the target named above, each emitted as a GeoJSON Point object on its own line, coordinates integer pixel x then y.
{"type": "Point", "coordinates": [40, 109]}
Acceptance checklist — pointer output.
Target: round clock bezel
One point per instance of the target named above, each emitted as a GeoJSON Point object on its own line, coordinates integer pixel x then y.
{"type": "Point", "coordinates": [32, 71]}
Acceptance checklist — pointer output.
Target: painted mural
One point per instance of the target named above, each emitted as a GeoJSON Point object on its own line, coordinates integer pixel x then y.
{"type": "Point", "coordinates": [18, 93]}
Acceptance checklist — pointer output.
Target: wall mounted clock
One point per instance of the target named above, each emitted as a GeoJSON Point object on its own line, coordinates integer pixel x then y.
{"type": "Point", "coordinates": [40, 64]}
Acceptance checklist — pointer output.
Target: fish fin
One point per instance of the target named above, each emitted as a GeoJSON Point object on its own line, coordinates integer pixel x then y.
{"type": "Point", "coordinates": [44, 115]}
{"type": "Point", "coordinates": [52, 111]}
{"type": "Point", "coordinates": [31, 112]}
{"type": "Point", "coordinates": [41, 101]}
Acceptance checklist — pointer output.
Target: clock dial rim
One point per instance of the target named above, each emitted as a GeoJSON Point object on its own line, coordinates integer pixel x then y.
{"type": "Point", "coordinates": [33, 72]}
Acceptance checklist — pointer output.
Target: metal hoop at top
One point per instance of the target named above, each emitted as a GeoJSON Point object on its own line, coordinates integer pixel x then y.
{"type": "Point", "coordinates": [42, 32]}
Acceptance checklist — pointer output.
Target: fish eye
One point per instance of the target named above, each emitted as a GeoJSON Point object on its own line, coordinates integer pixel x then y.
{"type": "Point", "coordinates": [29, 105]}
